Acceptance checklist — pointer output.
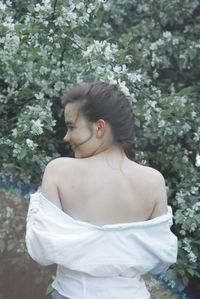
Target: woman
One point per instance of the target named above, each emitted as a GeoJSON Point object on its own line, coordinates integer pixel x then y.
{"type": "Point", "coordinates": [101, 217]}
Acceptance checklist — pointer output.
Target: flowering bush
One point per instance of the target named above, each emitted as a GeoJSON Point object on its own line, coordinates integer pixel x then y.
{"type": "Point", "coordinates": [150, 50]}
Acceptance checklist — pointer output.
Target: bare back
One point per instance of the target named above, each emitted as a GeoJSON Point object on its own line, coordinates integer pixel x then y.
{"type": "Point", "coordinates": [92, 191]}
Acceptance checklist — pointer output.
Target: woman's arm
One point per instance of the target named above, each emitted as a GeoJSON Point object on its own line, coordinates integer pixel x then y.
{"type": "Point", "coordinates": [160, 195]}
{"type": "Point", "coordinates": [49, 186]}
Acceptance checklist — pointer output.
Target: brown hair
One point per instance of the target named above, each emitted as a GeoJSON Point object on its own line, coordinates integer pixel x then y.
{"type": "Point", "coordinates": [100, 100]}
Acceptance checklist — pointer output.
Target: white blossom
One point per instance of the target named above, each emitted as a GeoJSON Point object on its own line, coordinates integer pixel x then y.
{"type": "Point", "coordinates": [17, 150]}
{"type": "Point", "coordinates": [2, 6]}
{"type": "Point", "coordinates": [161, 123]}
{"type": "Point", "coordinates": [133, 77]}
{"type": "Point", "coordinates": [31, 144]}
{"type": "Point", "coordinates": [193, 114]}
{"type": "Point", "coordinates": [180, 196]}
{"type": "Point", "coordinates": [194, 190]}
{"type": "Point", "coordinates": [9, 23]}
{"type": "Point", "coordinates": [36, 128]}
{"type": "Point", "coordinates": [167, 34]}
{"type": "Point", "coordinates": [14, 132]}
{"type": "Point", "coordinates": [171, 283]}
{"type": "Point", "coordinates": [187, 246]}
{"type": "Point", "coordinates": [118, 69]}
{"type": "Point", "coordinates": [43, 70]}
{"type": "Point", "coordinates": [59, 86]}
{"type": "Point", "coordinates": [197, 163]}
{"type": "Point", "coordinates": [192, 257]}
{"type": "Point", "coordinates": [11, 43]}
{"type": "Point", "coordinates": [175, 41]}
{"type": "Point", "coordinates": [147, 115]}
{"type": "Point", "coordinates": [196, 206]}
{"type": "Point", "coordinates": [182, 232]}
{"type": "Point", "coordinates": [123, 87]}
{"type": "Point", "coordinates": [186, 127]}
{"type": "Point", "coordinates": [190, 212]}
{"type": "Point", "coordinates": [39, 95]}
{"type": "Point", "coordinates": [158, 43]}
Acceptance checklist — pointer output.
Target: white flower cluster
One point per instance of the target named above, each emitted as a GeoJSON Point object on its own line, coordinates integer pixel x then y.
{"type": "Point", "coordinates": [161, 123]}
{"type": "Point", "coordinates": [101, 47]}
{"type": "Point", "coordinates": [36, 128]}
{"type": "Point", "coordinates": [31, 144]}
{"type": "Point", "coordinates": [187, 246]}
{"type": "Point", "coordinates": [11, 44]}
{"type": "Point", "coordinates": [196, 206]}
{"type": "Point", "coordinates": [134, 77]}
{"type": "Point", "coordinates": [194, 190]}
{"type": "Point", "coordinates": [75, 14]}
{"type": "Point", "coordinates": [197, 163]}
{"type": "Point", "coordinates": [2, 6]}
{"type": "Point", "coordinates": [155, 59]}
{"type": "Point", "coordinates": [14, 132]}
{"type": "Point", "coordinates": [196, 135]}
{"type": "Point", "coordinates": [180, 196]}
{"type": "Point", "coordinates": [167, 35]}
{"type": "Point", "coordinates": [120, 69]}
{"type": "Point", "coordinates": [154, 46]}
{"type": "Point", "coordinates": [192, 257]}
{"type": "Point", "coordinates": [190, 213]}
{"type": "Point", "coordinates": [148, 116]}
{"type": "Point", "coordinates": [9, 23]}
{"type": "Point", "coordinates": [68, 16]}
{"type": "Point", "coordinates": [17, 150]}
{"type": "Point", "coordinates": [171, 283]}
{"type": "Point", "coordinates": [45, 6]}
{"type": "Point", "coordinates": [39, 96]}
{"type": "Point", "coordinates": [123, 87]}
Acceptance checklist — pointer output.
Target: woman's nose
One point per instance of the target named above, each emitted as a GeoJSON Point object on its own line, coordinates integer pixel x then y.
{"type": "Point", "coordinates": [66, 137]}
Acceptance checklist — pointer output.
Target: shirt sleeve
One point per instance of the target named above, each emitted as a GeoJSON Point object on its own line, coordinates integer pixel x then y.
{"type": "Point", "coordinates": [39, 240]}
{"type": "Point", "coordinates": [169, 250]}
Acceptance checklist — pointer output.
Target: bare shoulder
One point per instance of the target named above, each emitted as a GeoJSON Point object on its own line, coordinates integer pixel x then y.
{"type": "Point", "coordinates": [153, 174]}
{"type": "Point", "coordinates": [157, 189]}
{"type": "Point", "coordinates": [65, 166]}
{"type": "Point", "coordinates": [60, 161]}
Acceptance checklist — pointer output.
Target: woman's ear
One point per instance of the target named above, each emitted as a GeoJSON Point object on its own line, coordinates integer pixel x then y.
{"type": "Point", "coordinates": [100, 127]}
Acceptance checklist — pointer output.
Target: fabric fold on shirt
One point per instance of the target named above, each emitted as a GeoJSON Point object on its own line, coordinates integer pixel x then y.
{"type": "Point", "coordinates": [85, 252]}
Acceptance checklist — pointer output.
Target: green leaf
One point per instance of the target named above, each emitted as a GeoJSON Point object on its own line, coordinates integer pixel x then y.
{"type": "Point", "coordinates": [126, 39]}
{"type": "Point", "coordinates": [23, 153]}
{"type": "Point", "coordinates": [35, 29]}
{"type": "Point", "coordinates": [192, 53]}
{"type": "Point", "coordinates": [49, 289]}
{"type": "Point", "coordinates": [121, 52]}
{"type": "Point", "coordinates": [35, 52]}
{"type": "Point", "coordinates": [190, 271]}
{"type": "Point", "coordinates": [31, 8]}
{"type": "Point", "coordinates": [137, 123]}
{"type": "Point", "coordinates": [2, 28]}
{"type": "Point", "coordinates": [18, 27]}
{"type": "Point", "coordinates": [100, 16]}
{"type": "Point", "coordinates": [187, 91]}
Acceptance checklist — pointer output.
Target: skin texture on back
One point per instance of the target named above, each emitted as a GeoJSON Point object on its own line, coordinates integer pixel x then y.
{"type": "Point", "coordinates": [92, 191]}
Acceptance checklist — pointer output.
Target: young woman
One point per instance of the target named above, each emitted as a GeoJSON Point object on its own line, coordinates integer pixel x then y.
{"type": "Point", "coordinates": [101, 217]}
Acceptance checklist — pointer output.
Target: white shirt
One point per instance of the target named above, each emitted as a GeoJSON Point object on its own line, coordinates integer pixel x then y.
{"type": "Point", "coordinates": [104, 262]}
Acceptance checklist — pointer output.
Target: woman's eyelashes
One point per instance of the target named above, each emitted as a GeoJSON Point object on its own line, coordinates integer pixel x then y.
{"type": "Point", "coordinates": [69, 127]}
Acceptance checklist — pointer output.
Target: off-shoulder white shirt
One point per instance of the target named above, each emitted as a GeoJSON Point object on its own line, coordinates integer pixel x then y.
{"type": "Point", "coordinates": [98, 262]}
